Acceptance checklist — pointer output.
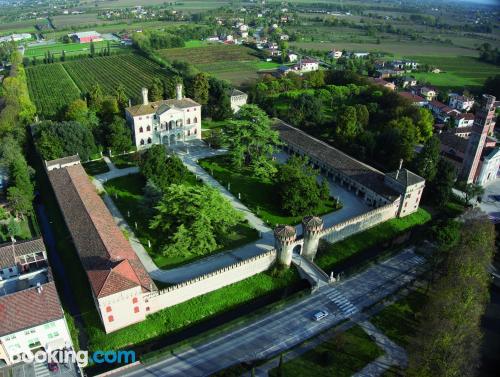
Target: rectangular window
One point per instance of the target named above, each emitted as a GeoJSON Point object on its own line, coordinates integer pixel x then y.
{"type": "Point", "coordinates": [136, 309]}
{"type": "Point", "coordinates": [111, 318]}
{"type": "Point", "coordinates": [108, 309]}
{"type": "Point", "coordinates": [134, 300]}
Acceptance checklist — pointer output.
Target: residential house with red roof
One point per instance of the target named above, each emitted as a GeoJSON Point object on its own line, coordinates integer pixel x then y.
{"type": "Point", "coordinates": [31, 316]}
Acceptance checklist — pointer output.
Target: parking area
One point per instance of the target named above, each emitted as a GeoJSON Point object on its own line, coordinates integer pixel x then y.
{"type": "Point", "coordinates": [39, 370]}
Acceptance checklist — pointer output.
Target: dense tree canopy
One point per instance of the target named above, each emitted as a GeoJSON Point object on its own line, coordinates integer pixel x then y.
{"type": "Point", "coordinates": [298, 188]}
{"type": "Point", "coordinates": [251, 141]}
{"type": "Point", "coordinates": [162, 168]}
{"type": "Point", "coordinates": [194, 219]}
{"type": "Point", "coordinates": [59, 139]}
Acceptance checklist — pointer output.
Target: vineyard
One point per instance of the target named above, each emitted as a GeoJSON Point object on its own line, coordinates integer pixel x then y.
{"type": "Point", "coordinates": [50, 88]}
{"type": "Point", "coordinates": [132, 71]}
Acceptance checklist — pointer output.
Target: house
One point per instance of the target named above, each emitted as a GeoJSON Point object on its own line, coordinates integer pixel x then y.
{"type": "Point", "coordinates": [360, 54]}
{"type": "Point", "coordinates": [166, 122]}
{"type": "Point", "coordinates": [86, 37]}
{"type": "Point", "coordinates": [490, 164]}
{"type": "Point", "coordinates": [407, 81]}
{"type": "Point", "coordinates": [382, 82]}
{"type": "Point", "coordinates": [15, 37]}
{"type": "Point", "coordinates": [31, 316]}
{"type": "Point", "coordinates": [428, 93]}
{"type": "Point", "coordinates": [413, 98]}
{"type": "Point", "coordinates": [464, 120]}
{"type": "Point", "coordinates": [307, 65]}
{"type": "Point", "coordinates": [441, 112]}
{"type": "Point", "coordinates": [272, 51]}
{"type": "Point", "coordinates": [238, 99]}
{"type": "Point", "coordinates": [460, 103]}
{"type": "Point", "coordinates": [292, 57]}
{"type": "Point", "coordinates": [334, 54]}
{"type": "Point", "coordinates": [284, 37]}
{"type": "Point", "coordinates": [213, 39]}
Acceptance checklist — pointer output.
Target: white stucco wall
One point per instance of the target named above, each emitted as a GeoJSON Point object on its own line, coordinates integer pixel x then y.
{"type": "Point", "coordinates": [52, 335]}
{"type": "Point", "coordinates": [210, 282]}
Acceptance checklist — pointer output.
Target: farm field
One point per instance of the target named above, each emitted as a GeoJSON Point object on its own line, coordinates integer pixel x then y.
{"type": "Point", "coordinates": [49, 83]}
{"type": "Point", "coordinates": [396, 48]}
{"type": "Point", "coordinates": [50, 88]}
{"type": "Point", "coordinates": [456, 71]}
{"type": "Point", "coordinates": [236, 64]}
{"type": "Point", "coordinates": [56, 49]}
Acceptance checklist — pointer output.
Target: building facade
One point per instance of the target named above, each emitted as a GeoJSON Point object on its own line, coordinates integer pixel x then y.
{"type": "Point", "coordinates": [238, 99]}
{"type": "Point", "coordinates": [167, 122]}
{"type": "Point", "coordinates": [460, 103]}
{"type": "Point", "coordinates": [31, 316]}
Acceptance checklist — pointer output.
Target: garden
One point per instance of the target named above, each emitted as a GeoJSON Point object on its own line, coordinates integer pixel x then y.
{"type": "Point", "coordinates": [261, 195]}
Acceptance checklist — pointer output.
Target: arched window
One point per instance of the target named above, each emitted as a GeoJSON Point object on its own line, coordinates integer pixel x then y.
{"type": "Point", "coordinates": [141, 130]}
{"type": "Point", "coordinates": [189, 132]}
{"type": "Point", "coordinates": [142, 141]}
{"type": "Point", "coordinates": [195, 120]}
{"type": "Point", "coordinates": [195, 131]}
{"type": "Point", "coordinates": [188, 121]}
{"type": "Point", "coordinates": [149, 140]}
{"type": "Point", "coordinates": [148, 128]}
{"type": "Point", "coordinates": [171, 125]}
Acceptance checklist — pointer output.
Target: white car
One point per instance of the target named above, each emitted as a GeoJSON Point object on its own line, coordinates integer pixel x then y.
{"type": "Point", "coordinates": [318, 316]}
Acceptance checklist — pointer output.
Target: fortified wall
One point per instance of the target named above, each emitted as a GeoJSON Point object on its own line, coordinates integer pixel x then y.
{"type": "Point", "coordinates": [212, 281]}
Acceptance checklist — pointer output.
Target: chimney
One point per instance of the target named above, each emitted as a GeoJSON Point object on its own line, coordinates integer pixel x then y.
{"type": "Point", "coordinates": [178, 91]}
{"type": "Point", "coordinates": [145, 96]}
{"type": "Point", "coordinates": [39, 288]}
{"type": "Point", "coordinates": [400, 166]}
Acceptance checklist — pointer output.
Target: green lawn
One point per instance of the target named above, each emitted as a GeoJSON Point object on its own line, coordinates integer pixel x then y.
{"type": "Point", "coordinates": [261, 196]}
{"type": "Point", "coordinates": [209, 124]}
{"type": "Point", "coordinates": [126, 160]}
{"type": "Point", "coordinates": [127, 194]}
{"type": "Point", "coordinates": [21, 228]}
{"type": "Point", "coordinates": [331, 254]}
{"type": "Point", "coordinates": [96, 167]}
{"type": "Point", "coordinates": [399, 321]}
{"type": "Point", "coordinates": [343, 355]}
{"type": "Point", "coordinates": [56, 49]}
{"type": "Point", "coordinates": [456, 72]}
{"type": "Point", "coordinates": [192, 311]}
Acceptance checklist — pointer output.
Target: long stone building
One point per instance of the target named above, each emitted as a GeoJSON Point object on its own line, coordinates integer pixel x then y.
{"type": "Point", "coordinates": [401, 188]}
{"type": "Point", "coordinates": [116, 275]}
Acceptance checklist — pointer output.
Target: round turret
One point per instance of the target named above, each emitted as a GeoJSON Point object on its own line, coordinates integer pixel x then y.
{"type": "Point", "coordinates": [284, 238]}
{"type": "Point", "coordinates": [312, 223]}
{"type": "Point", "coordinates": [284, 232]}
{"type": "Point", "coordinates": [312, 227]}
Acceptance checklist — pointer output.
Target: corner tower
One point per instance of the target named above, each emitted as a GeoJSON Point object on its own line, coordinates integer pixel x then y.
{"type": "Point", "coordinates": [284, 239]}
{"type": "Point", "coordinates": [312, 227]}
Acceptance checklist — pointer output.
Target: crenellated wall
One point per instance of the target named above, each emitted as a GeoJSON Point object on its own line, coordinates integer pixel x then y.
{"type": "Point", "coordinates": [357, 224]}
{"type": "Point", "coordinates": [200, 285]}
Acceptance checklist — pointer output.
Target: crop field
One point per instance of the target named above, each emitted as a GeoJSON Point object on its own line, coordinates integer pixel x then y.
{"type": "Point", "coordinates": [457, 71]}
{"type": "Point", "coordinates": [237, 72]}
{"type": "Point", "coordinates": [132, 71]}
{"type": "Point", "coordinates": [209, 54]}
{"type": "Point", "coordinates": [54, 85]}
{"type": "Point", "coordinates": [50, 88]}
{"type": "Point", "coordinates": [56, 49]}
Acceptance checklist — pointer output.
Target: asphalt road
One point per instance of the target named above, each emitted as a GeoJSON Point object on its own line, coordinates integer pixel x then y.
{"type": "Point", "coordinates": [285, 328]}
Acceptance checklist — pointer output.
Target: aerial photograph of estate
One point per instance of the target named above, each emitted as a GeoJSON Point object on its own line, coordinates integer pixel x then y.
{"type": "Point", "coordinates": [240, 188]}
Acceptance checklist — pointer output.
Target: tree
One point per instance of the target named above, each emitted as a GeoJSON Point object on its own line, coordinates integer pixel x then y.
{"type": "Point", "coordinates": [109, 108]}
{"type": "Point", "coordinates": [219, 103]}
{"type": "Point", "coordinates": [156, 90]}
{"type": "Point", "coordinates": [121, 97]}
{"type": "Point", "coordinates": [59, 139]}
{"type": "Point", "coordinates": [426, 162]}
{"type": "Point", "coordinates": [194, 219]}
{"type": "Point", "coordinates": [200, 88]}
{"type": "Point", "coordinates": [119, 137]}
{"type": "Point", "coordinates": [77, 111]}
{"type": "Point", "coordinates": [298, 188]}
{"type": "Point", "coordinates": [347, 124]}
{"type": "Point", "coordinates": [307, 109]}
{"type": "Point", "coordinates": [471, 190]}
{"type": "Point", "coordinates": [449, 335]}
{"type": "Point", "coordinates": [95, 97]}
{"type": "Point", "coordinates": [92, 49]}
{"type": "Point", "coordinates": [425, 124]}
{"type": "Point", "coordinates": [161, 168]}
{"type": "Point", "coordinates": [443, 182]}
{"type": "Point", "coordinates": [251, 141]}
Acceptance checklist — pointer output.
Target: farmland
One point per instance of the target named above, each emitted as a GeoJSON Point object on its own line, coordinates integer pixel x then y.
{"type": "Point", "coordinates": [233, 63]}
{"type": "Point", "coordinates": [49, 84]}
{"type": "Point", "coordinates": [50, 88]}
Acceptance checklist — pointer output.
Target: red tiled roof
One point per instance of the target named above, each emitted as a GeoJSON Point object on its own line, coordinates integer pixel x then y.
{"type": "Point", "coordinates": [110, 262]}
{"type": "Point", "coordinates": [29, 308]}
{"type": "Point", "coordinates": [9, 251]}
{"type": "Point", "coordinates": [412, 97]}
{"type": "Point", "coordinates": [437, 104]}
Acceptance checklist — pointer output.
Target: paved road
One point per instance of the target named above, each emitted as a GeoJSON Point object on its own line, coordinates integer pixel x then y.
{"type": "Point", "coordinates": [285, 328]}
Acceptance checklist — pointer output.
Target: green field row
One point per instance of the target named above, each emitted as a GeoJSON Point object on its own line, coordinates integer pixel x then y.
{"type": "Point", "coordinates": [213, 53]}
{"type": "Point", "coordinates": [56, 49]}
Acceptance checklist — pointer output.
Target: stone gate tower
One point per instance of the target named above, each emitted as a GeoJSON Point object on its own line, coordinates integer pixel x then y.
{"type": "Point", "coordinates": [312, 227]}
{"type": "Point", "coordinates": [284, 239]}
